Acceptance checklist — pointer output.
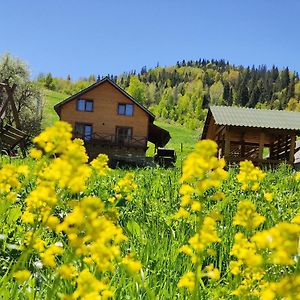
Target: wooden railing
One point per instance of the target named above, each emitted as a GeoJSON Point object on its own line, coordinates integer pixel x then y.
{"type": "Point", "coordinates": [105, 139]}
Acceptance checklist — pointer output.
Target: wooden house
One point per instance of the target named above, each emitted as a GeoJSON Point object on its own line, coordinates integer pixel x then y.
{"type": "Point", "coordinates": [110, 121]}
{"type": "Point", "coordinates": [260, 135]}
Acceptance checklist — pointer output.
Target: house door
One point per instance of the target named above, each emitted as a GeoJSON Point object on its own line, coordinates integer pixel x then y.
{"type": "Point", "coordinates": [123, 135]}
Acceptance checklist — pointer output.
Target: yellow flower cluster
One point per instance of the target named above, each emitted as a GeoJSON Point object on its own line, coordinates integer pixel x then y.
{"type": "Point", "coordinates": [268, 197]}
{"type": "Point", "coordinates": [212, 272]}
{"type": "Point", "coordinates": [246, 253]}
{"type": "Point", "coordinates": [100, 164]}
{"type": "Point", "coordinates": [187, 281]}
{"type": "Point", "coordinates": [55, 139]}
{"type": "Point", "coordinates": [282, 241]}
{"type": "Point", "coordinates": [67, 271]}
{"type": "Point", "coordinates": [287, 288]}
{"type": "Point", "coordinates": [254, 252]}
{"type": "Point", "coordinates": [10, 180]}
{"type": "Point", "coordinates": [202, 164]}
{"type": "Point", "coordinates": [250, 176]}
{"type": "Point", "coordinates": [22, 276]}
{"type": "Point", "coordinates": [248, 266]}
{"type": "Point", "coordinates": [48, 256]}
{"type": "Point", "coordinates": [255, 255]}
{"type": "Point", "coordinates": [90, 237]}
{"type": "Point", "coordinates": [124, 189]}
{"type": "Point", "coordinates": [89, 287]}
{"type": "Point", "coordinates": [201, 240]}
{"type": "Point", "coordinates": [67, 168]}
{"type": "Point", "coordinates": [133, 266]}
{"type": "Point", "coordinates": [91, 234]}
{"type": "Point", "coordinates": [297, 176]}
{"type": "Point", "coordinates": [202, 170]}
{"type": "Point", "coordinates": [39, 204]}
{"type": "Point", "coordinates": [247, 216]}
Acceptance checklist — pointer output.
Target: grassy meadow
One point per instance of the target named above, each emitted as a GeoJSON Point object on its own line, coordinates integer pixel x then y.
{"type": "Point", "coordinates": [63, 221]}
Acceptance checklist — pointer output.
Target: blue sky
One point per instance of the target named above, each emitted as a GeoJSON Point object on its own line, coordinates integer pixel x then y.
{"type": "Point", "coordinates": [100, 37]}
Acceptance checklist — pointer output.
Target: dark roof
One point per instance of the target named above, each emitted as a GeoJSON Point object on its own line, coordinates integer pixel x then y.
{"type": "Point", "coordinates": [250, 117]}
{"type": "Point", "coordinates": [158, 136]}
{"type": "Point", "coordinates": [94, 85]}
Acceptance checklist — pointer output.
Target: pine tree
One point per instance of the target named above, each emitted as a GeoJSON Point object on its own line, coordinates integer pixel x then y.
{"type": "Point", "coordinates": [254, 97]}
{"type": "Point", "coordinates": [243, 95]}
{"type": "Point", "coordinates": [285, 78]}
{"type": "Point", "coordinates": [226, 93]}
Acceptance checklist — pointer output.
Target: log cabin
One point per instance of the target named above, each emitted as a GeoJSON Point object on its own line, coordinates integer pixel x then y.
{"type": "Point", "coordinates": [110, 121]}
{"type": "Point", "coordinates": [260, 135]}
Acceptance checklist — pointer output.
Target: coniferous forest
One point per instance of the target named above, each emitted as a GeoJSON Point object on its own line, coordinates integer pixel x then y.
{"type": "Point", "coordinates": [182, 92]}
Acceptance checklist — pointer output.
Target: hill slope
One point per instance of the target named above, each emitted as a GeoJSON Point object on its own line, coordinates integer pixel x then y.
{"type": "Point", "coordinates": [49, 114]}
{"type": "Point", "coordinates": [183, 91]}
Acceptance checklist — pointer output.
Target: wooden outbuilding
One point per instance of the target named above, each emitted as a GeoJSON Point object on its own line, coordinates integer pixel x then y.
{"type": "Point", "coordinates": [10, 136]}
{"type": "Point", "coordinates": [260, 135]}
{"type": "Point", "coordinates": [110, 121]}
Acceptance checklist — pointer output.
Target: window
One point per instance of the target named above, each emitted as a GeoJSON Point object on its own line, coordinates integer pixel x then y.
{"type": "Point", "coordinates": [84, 131]}
{"type": "Point", "coordinates": [125, 109]}
{"type": "Point", "coordinates": [123, 135]}
{"type": "Point", "coordinates": [85, 105]}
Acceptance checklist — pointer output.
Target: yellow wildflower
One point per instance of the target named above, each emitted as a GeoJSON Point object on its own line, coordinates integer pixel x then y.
{"type": "Point", "coordinates": [89, 287]}
{"type": "Point", "coordinates": [182, 213]}
{"type": "Point", "coordinates": [245, 251]}
{"type": "Point", "coordinates": [282, 240]}
{"type": "Point", "coordinates": [39, 204]}
{"type": "Point", "coordinates": [250, 176]}
{"type": "Point", "coordinates": [218, 196]}
{"type": "Point", "coordinates": [100, 164]}
{"type": "Point", "coordinates": [67, 271]}
{"type": "Point", "coordinates": [297, 176]}
{"type": "Point", "coordinates": [48, 257]}
{"type": "Point", "coordinates": [124, 188]}
{"type": "Point", "coordinates": [268, 196]}
{"type": "Point", "coordinates": [101, 240]}
{"type": "Point", "coordinates": [133, 266]}
{"type": "Point", "coordinates": [296, 219]}
{"type": "Point", "coordinates": [187, 281]}
{"type": "Point", "coordinates": [212, 272]}
{"type": "Point", "coordinates": [22, 276]}
{"type": "Point", "coordinates": [35, 153]}
{"type": "Point", "coordinates": [247, 216]}
{"type": "Point", "coordinates": [196, 206]}
{"type": "Point", "coordinates": [206, 236]}
{"type": "Point", "coordinates": [287, 288]}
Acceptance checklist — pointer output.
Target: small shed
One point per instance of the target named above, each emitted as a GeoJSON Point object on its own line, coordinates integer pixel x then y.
{"type": "Point", "coordinates": [260, 135]}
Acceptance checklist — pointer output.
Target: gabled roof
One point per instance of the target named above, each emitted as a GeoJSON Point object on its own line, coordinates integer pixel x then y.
{"type": "Point", "coordinates": [96, 84]}
{"type": "Point", "coordinates": [250, 117]}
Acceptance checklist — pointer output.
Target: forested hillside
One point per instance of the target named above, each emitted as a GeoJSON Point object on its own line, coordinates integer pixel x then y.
{"type": "Point", "coordinates": [182, 92]}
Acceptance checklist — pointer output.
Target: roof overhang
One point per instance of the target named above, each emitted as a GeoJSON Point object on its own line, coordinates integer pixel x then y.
{"type": "Point", "coordinates": [158, 136]}
{"type": "Point", "coordinates": [240, 117]}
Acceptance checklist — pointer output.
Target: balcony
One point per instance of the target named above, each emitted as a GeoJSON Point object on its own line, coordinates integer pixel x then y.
{"type": "Point", "coordinates": [112, 140]}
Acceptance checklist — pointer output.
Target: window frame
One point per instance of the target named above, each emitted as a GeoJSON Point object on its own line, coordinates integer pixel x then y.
{"type": "Point", "coordinates": [125, 104]}
{"type": "Point", "coordinates": [83, 137]}
{"type": "Point", "coordinates": [85, 105]}
{"type": "Point", "coordinates": [127, 138]}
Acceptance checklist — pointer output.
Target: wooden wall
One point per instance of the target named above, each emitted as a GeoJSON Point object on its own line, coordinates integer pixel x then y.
{"type": "Point", "coordinates": [105, 117]}
{"type": "Point", "coordinates": [238, 142]}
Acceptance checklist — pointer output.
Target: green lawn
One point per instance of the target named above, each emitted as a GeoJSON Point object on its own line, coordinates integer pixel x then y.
{"type": "Point", "coordinates": [51, 98]}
